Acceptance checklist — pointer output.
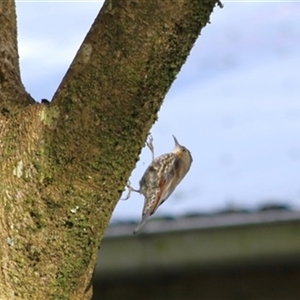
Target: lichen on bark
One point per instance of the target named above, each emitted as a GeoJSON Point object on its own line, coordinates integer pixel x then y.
{"type": "Point", "coordinates": [65, 164]}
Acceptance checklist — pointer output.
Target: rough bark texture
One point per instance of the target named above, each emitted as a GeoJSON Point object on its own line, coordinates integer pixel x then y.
{"type": "Point", "coordinates": [12, 92]}
{"type": "Point", "coordinates": [64, 165]}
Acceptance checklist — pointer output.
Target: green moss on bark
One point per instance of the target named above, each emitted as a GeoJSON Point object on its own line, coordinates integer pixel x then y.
{"type": "Point", "coordinates": [64, 165]}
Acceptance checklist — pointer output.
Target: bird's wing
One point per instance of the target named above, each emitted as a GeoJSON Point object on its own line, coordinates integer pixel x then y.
{"type": "Point", "coordinates": [159, 185]}
{"type": "Point", "coordinates": [167, 184]}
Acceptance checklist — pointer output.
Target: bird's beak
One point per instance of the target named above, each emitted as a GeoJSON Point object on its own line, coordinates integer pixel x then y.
{"type": "Point", "coordinates": [176, 142]}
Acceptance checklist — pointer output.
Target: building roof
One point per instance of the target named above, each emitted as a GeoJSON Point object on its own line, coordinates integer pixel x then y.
{"type": "Point", "coordinates": [226, 239]}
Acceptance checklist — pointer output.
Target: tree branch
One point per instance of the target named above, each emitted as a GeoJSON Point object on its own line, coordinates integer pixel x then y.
{"type": "Point", "coordinates": [115, 86]}
{"type": "Point", "coordinates": [12, 92]}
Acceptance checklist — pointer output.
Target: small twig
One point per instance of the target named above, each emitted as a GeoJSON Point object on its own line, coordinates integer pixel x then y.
{"type": "Point", "coordinates": [220, 4]}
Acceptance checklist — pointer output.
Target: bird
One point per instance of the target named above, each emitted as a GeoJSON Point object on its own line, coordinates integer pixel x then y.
{"type": "Point", "coordinates": [161, 178]}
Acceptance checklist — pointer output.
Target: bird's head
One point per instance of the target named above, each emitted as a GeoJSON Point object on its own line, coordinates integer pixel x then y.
{"type": "Point", "coordinates": [182, 152]}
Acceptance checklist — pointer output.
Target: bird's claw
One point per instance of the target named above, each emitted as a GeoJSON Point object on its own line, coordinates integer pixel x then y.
{"type": "Point", "coordinates": [130, 190]}
{"type": "Point", "coordinates": [149, 144]}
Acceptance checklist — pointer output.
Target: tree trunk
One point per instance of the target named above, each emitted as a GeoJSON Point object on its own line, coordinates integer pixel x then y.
{"type": "Point", "coordinates": [64, 165]}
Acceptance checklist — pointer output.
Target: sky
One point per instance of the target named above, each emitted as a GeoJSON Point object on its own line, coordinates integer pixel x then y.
{"type": "Point", "coordinates": [235, 104]}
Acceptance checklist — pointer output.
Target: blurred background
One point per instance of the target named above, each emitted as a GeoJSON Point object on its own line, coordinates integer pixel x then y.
{"type": "Point", "coordinates": [235, 105]}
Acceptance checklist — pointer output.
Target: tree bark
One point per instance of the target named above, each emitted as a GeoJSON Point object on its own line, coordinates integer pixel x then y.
{"type": "Point", "coordinates": [64, 165]}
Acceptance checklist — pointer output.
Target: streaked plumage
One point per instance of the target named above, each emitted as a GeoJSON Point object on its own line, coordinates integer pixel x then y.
{"type": "Point", "coordinates": [161, 178]}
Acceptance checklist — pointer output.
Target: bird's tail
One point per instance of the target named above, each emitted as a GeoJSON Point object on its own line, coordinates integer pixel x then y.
{"type": "Point", "coordinates": [142, 223]}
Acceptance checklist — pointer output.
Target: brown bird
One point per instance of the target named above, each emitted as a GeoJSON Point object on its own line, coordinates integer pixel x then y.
{"type": "Point", "coordinates": [161, 178]}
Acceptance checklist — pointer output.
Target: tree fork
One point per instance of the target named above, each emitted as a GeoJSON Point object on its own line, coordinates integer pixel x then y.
{"type": "Point", "coordinates": [64, 165]}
